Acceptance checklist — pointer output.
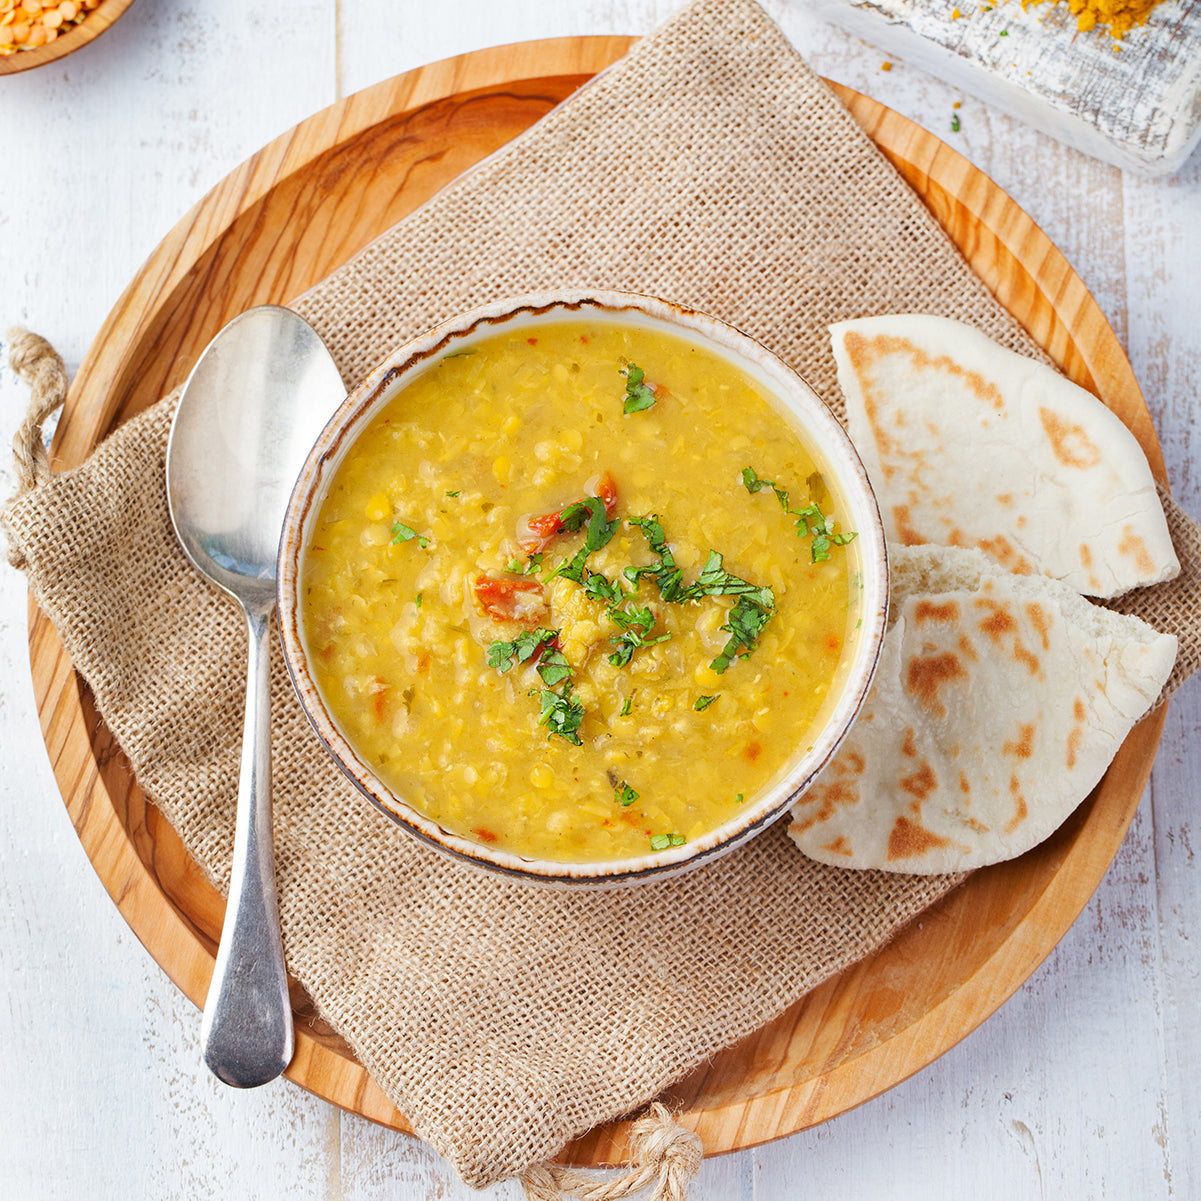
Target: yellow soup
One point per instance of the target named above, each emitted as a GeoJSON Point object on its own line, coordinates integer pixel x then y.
{"type": "Point", "coordinates": [573, 592]}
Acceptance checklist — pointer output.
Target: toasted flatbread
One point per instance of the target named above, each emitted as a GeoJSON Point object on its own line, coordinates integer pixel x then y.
{"type": "Point", "coordinates": [998, 703]}
{"type": "Point", "coordinates": [969, 444]}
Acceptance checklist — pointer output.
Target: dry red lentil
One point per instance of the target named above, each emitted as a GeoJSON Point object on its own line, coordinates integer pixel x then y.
{"type": "Point", "coordinates": [28, 24]}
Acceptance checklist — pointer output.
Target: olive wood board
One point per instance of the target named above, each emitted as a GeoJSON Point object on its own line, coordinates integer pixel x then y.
{"type": "Point", "coordinates": [363, 164]}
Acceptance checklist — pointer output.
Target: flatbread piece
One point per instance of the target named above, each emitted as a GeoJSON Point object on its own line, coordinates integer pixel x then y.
{"type": "Point", "coordinates": [969, 444]}
{"type": "Point", "coordinates": [998, 704]}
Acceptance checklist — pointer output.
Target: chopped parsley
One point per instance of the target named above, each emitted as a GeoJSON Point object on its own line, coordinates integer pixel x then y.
{"type": "Point", "coordinates": [553, 668]}
{"type": "Point", "coordinates": [592, 511]}
{"type": "Point", "coordinates": [639, 394]}
{"type": "Point", "coordinates": [745, 624]}
{"type": "Point", "coordinates": [626, 706]}
{"type": "Point", "coordinates": [635, 625]}
{"type": "Point", "coordinates": [502, 655]}
{"type": "Point", "coordinates": [954, 122]}
{"type": "Point", "coordinates": [404, 533]}
{"type": "Point", "coordinates": [562, 714]}
{"type": "Point", "coordinates": [573, 568]}
{"type": "Point", "coordinates": [600, 588]}
{"type": "Point", "coordinates": [714, 580]}
{"type": "Point", "coordinates": [809, 521]}
{"type": "Point", "coordinates": [751, 612]}
{"type": "Point", "coordinates": [599, 530]}
{"type": "Point", "coordinates": [660, 842]}
{"type": "Point", "coordinates": [454, 493]}
{"type": "Point", "coordinates": [624, 795]}
{"type": "Point", "coordinates": [666, 575]}
{"type": "Point", "coordinates": [703, 702]}
{"type": "Point", "coordinates": [529, 567]}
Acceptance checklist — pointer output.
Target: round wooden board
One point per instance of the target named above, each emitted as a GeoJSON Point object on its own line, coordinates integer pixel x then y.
{"type": "Point", "coordinates": [295, 212]}
{"type": "Point", "coordinates": [88, 30]}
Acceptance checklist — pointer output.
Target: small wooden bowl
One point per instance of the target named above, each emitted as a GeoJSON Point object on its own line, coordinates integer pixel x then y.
{"type": "Point", "coordinates": [90, 28]}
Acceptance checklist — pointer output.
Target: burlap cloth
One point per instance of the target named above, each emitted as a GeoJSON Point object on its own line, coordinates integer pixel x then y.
{"type": "Point", "coordinates": [709, 166]}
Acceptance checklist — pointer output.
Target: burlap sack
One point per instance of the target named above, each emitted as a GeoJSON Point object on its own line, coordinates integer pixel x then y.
{"type": "Point", "coordinates": [709, 166]}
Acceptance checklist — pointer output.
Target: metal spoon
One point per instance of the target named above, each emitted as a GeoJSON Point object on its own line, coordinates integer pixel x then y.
{"type": "Point", "coordinates": [250, 411]}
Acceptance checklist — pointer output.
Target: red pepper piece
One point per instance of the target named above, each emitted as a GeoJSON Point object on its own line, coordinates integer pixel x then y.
{"type": "Point", "coordinates": [510, 599]}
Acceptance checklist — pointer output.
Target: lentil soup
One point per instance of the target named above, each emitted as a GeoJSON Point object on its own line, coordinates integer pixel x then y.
{"type": "Point", "coordinates": [578, 592]}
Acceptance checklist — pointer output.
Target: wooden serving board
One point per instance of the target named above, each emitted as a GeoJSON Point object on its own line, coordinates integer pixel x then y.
{"type": "Point", "coordinates": [292, 214]}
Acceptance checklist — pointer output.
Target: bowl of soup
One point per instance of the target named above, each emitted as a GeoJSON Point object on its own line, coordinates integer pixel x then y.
{"type": "Point", "coordinates": [582, 589]}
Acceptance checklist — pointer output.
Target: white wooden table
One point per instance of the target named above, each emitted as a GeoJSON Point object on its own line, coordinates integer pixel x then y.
{"type": "Point", "coordinates": [1086, 1084]}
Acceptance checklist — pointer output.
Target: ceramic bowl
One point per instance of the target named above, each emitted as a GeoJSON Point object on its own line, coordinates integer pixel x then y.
{"type": "Point", "coordinates": [821, 432]}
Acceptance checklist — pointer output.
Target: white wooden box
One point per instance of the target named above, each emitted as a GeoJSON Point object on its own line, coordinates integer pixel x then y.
{"type": "Point", "coordinates": [1134, 103]}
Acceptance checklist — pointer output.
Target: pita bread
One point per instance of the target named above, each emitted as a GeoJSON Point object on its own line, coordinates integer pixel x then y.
{"type": "Point", "coordinates": [969, 444]}
{"type": "Point", "coordinates": [998, 703]}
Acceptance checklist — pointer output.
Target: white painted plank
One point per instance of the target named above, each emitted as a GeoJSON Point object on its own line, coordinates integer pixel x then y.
{"type": "Point", "coordinates": [380, 38]}
{"type": "Point", "coordinates": [1163, 253]}
{"type": "Point", "coordinates": [120, 139]}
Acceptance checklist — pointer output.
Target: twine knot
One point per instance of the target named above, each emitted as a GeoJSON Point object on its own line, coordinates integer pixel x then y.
{"type": "Point", "coordinates": [663, 1154]}
{"type": "Point", "coordinates": [41, 366]}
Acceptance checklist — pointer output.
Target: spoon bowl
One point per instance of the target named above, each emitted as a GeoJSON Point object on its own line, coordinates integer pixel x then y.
{"type": "Point", "coordinates": [251, 409]}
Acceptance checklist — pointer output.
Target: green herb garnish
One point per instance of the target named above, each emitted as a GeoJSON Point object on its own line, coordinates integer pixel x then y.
{"type": "Point", "coordinates": [562, 714]}
{"type": "Point", "coordinates": [809, 521]}
{"type": "Point", "coordinates": [715, 580]}
{"type": "Point", "coordinates": [600, 588]}
{"type": "Point", "coordinates": [529, 567]}
{"type": "Point", "coordinates": [591, 510]}
{"type": "Point", "coordinates": [636, 623]}
{"type": "Point", "coordinates": [404, 533]}
{"type": "Point", "coordinates": [660, 842]}
{"type": "Point", "coordinates": [626, 706]}
{"type": "Point", "coordinates": [454, 493]}
{"type": "Point", "coordinates": [624, 795]}
{"type": "Point", "coordinates": [703, 702]}
{"type": "Point", "coordinates": [667, 576]}
{"type": "Point", "coordinates": [553, 668]}
{"type": "Point", "coordinates": [639, 394]}
{"type": "Point", "coordinates": [502, 655]}
{"type": "Point", "coordinates": [954, 122]}
{"type": "Point", "coordinates": [599, 531]}
{"type": "Point", "coordinates": [745, 624]}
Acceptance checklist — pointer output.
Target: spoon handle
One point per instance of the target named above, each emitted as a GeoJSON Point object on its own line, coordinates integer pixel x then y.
{"type": "Point", "coordinates": [247, 1028]}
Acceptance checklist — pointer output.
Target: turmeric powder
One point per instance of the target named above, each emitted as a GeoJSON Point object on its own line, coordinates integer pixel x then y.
{"type": "Point", "coordinates": [1118, 16]}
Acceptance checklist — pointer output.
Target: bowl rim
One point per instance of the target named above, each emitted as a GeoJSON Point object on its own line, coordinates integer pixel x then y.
{"type": "Point", "coordinates": [786, 388]}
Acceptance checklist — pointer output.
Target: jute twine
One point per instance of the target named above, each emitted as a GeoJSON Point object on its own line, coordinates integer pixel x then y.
{"type": "Point", "coordinates": [664, 1156]}
{"type": "Point", "coordinates": [710, 167]}
{"type": "Point", "coordinates": [41, 366]}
